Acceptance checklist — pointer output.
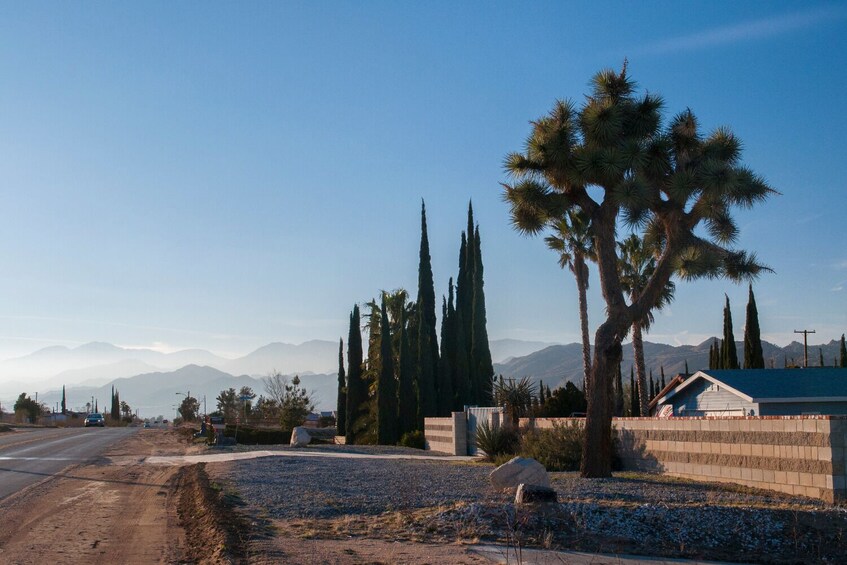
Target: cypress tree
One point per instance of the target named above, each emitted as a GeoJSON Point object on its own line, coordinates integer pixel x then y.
{"type": "Point", "coordinates": [64, 402]}
{"type": "Point", "coordinates": [464, 314]}
{"type": "Point", "coordinates": [662, 370]}
{"type": "Point", "coordinates": [341, 404]}
{"type": "Point", "coordinates": [820, 356]}
{"type": "Point", "coordinates": [458, 315]}
{"type": "Point", "coordinates": [386, 389]}
{"type": "Point", "coordinates": [357, 392]}
{"type": "Point", "coordinates": [407, 398]}
{"type": "Point", "coordinates": [686, 368]}
{"type": "Point", "coordinates": [619, 404]}
{"type": "Point", "coordinates": [652, 386]}
{"type": "Point", "coordinates": [427, 349]}
{"type": "Point", "coordinates": [842, 362]}
{"type": "Point", "coordinates": [634, 405]}
{"type": "Point", "coordinates": [482, 367]}
{"type": "Point", "coordinates": [446, 398]}
{"type": "Point", "coordinates": [729, 355]}
{"type": "Point", "coordinates": [753, 354]}
{"type": "Point", "coordinates": [541, 398]}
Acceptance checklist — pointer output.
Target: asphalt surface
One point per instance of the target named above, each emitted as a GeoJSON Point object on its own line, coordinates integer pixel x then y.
{"type": "Point", "coordinates": [31, 455]}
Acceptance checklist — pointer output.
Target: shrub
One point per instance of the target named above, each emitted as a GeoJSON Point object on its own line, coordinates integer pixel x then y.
{"type": "Point", "coordinates": [558, 448]}
{"type": "Point", "coordinates": [496, 440]}
{"type": "Point", "coordinates": [413, 439]}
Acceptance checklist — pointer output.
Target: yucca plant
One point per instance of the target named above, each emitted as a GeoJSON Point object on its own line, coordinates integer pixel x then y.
{"type": "Point", "coordinates": [496, 440]}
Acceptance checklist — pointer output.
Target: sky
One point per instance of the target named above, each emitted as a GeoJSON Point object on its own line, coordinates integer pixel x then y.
{"type": "Point", "coordinates": [224, 175]}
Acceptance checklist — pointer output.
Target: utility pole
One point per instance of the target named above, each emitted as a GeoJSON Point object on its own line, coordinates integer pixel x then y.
{"type": "Point", "coordinates": [805, 345]}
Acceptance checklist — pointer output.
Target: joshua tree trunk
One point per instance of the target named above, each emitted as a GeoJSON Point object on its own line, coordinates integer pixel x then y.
{"type": "Point", "coordinates": [581, 274]}
{"type": "Point", "coordinates": [640, 371]}
{"type": "Point", "coordinates": [597, 449]}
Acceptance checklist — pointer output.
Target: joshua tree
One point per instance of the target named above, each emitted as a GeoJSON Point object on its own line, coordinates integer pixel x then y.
{"type": "Point", "coordinates": [572, 241]}
{"type": "Point", "coordinates": [613, 160]}
{"type": "Point", "coordinates": [636, 266]}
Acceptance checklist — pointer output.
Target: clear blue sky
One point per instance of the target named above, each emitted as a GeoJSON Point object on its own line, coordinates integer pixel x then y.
{"type": "Point", "coordinates": [223, 175]}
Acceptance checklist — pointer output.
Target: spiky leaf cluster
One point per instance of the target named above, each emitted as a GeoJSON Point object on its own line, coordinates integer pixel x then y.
{"type": "Point", "coordinates": [665, 179]}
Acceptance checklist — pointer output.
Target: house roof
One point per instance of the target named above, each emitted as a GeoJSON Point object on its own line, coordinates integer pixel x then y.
{"type": "Point", "coordinates": [825, 384]}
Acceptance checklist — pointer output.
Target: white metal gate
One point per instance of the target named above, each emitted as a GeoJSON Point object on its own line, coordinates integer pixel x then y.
{"type": "Point", "coordinates": [491, 414]}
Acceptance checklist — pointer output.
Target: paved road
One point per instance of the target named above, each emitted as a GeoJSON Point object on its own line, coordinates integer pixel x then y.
{"type": "Point", "coordinates": [32, 455]}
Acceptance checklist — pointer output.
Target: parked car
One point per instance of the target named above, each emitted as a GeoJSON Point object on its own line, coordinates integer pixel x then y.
{"type": "Point", "coordinates": [95, 419]}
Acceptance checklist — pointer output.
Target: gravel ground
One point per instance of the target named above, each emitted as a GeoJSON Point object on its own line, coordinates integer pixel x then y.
{"type": "Point", "coordinates": [442, 501]}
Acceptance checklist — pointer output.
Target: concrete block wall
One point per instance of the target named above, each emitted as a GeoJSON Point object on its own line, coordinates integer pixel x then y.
{"type": "Point", "coordinates": [800, 455]}
{"type": "Point", "coordinates": [447, 435]}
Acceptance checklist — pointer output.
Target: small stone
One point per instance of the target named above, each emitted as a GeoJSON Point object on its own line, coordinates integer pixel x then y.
{"type": "Point", "coordinates": [300, 437]}
{"type": "Point", "coordinates": [519, 470]}
{"type": "Point", "coordinates": [527, 494]}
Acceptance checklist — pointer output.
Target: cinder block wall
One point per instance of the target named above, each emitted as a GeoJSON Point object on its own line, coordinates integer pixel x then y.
{"type": "Point", "coordinates": [801, 455]}
{"type": "Point", "coordinates": [447, 435]}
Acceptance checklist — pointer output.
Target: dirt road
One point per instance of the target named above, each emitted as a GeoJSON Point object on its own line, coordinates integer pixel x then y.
{"type": "Point", "coordinates": [100, 512]}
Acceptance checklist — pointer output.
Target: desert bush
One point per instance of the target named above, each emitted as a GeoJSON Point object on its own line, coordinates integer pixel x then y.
{"type": "Point", "coordinates": [496, 440]}
{"type": "Point", "coordinates": [558, 448]}
{"type": "Point", "coordinates": [413, 439]}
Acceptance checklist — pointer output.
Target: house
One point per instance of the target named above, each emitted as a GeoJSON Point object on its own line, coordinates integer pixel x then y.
{"type": "Point", "coordinates": [756, 392]}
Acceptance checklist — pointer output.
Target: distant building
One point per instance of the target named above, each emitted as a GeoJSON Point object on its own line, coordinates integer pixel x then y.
{"type": "Point", "coordinates": [755, 392]}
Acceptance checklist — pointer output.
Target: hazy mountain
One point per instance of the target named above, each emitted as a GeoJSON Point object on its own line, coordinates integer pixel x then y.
{"type": "Point", "coordinates": [101, 374]}
{"type": "Point", "coordinates": [314, 356]}
{"type": "Point", "coordinates": [159, 393]}
{"type": "Point", "coordinates": [560, 363]}
{"type": "Point", "coordinates": [96, 361]}
{"type": "Point", "coordinates": [504, 349]}
{"type": "Point", "coordinates": [88, 361]}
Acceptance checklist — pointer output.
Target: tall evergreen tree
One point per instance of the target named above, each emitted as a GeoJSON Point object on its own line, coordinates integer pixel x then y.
{"type": "Point", "coordinates": [619, 403]}
{"type": "Point", "coordinates": [729, 355]}
{"type": "Point", "coordinates": [464, 313]}
{"type": "Point", "coordinates": [687, 372]}
{"type": "Point", "coordinates": [446, 396]}
{"type": "Point", "coordinates": [64, 401]}
{"type": "Point", "coordinates": [652, 386]}
{"type": "Point", "coordinates": [407, 396]}
{"type": "Point", "coordinates": [842, 361]}
{"type": "Point", "coordinates": [482, 369]}
{"type": "Point", "coordinates": [460, 351]}
{"type": "Point", "coordinates": [753, 355]}
{"type": "Point", "coordinates": [820, 356]}
{"type": "Point", "coordinates": [634, 404]}
{"type": "Point", "coordinates": [357, 391]}
{"type": "Point", "coordinates": [386, 389]}
{"type": "Point", "coordinates": [427, 349]}
{"type": "Point", "coordinates": [341, 404]}
{"type": "Point", "coordinates": [662, 372]}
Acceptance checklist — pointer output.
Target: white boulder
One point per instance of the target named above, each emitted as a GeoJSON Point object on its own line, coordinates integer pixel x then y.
{"type": "Point", "coordinates": [300, 437]}
{"type": "Point", "coordinates": [519, 470]}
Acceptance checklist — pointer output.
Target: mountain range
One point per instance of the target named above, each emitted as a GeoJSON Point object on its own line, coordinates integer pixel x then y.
{"type": "Point", "coordinates": [152, 381]}
{"type": "Point", "coordinates": [558, 364]}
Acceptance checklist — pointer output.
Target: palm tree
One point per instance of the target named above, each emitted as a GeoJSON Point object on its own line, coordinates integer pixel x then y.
{"type": "Point", "coordinates": [635, 268]}
{"type": "Point", "coordinates": [571, 239]}
{"type": "Point", "coordinates": [613, 160]}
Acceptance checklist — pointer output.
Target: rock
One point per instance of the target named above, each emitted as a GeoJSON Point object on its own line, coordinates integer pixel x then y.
{"type": "Point", "coordinates": [533, 494]}
{"type": "Point", "coordinates": [519, 470]}
{"type": "Point", "coordinates": [300, 437]}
